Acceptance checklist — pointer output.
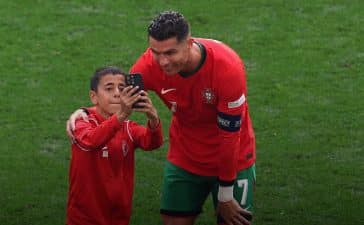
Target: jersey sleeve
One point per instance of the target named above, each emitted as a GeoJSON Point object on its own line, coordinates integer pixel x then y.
{"type": "Point", "coordinates": [146, 138]}
{"type": "Point", "coordinates": [91, 136]}
{"type": "Point", "coordinates": [231, 98]}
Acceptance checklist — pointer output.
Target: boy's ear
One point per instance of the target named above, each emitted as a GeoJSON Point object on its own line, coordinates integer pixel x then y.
{"type": "Point", "coordinates": [93, 97]}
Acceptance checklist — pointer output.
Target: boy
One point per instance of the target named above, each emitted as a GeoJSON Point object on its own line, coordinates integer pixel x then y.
{"type": "Point", "coordinates": [102, 165]}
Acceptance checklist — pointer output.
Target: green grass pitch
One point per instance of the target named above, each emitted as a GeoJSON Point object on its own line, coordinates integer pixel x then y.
{"type": "Point", "coordinates": [305, 68]}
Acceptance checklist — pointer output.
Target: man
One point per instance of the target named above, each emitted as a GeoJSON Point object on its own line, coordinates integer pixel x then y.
{"type": "Point", "coordinates": [212, 143]}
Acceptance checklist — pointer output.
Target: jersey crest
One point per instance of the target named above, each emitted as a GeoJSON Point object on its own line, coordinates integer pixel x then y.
{"type": "Point", "coordinates": [124, 148]}
{"type": "Point", "coordinates": [208, 96]}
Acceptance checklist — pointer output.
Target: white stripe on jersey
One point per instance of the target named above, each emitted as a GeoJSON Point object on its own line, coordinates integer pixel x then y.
{"type": "Point", "coordinates": [237, 102]}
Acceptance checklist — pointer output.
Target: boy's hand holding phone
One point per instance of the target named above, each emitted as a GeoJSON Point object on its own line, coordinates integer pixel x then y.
{"type": "Point", "coordinates": [135, 80]}
{"type": "Point", "coordinates": [144, 104]}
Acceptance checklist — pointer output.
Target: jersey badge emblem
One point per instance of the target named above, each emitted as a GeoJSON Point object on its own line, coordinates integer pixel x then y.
{"type": "Point", "coordinates": [124, 148]}
{"type": "Point", "coordinates": [208, 96]}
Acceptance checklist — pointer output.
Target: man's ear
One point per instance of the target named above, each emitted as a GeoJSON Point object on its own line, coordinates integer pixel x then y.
{"type": "Point", "coordinates": [93, 97]}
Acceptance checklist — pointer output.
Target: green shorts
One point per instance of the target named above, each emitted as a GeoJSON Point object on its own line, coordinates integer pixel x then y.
{"type": "Point", "coordinates": [184, 193]}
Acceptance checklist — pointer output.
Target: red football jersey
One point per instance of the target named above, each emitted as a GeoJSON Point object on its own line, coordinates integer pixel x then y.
{"type": "Point", "coordinates": [211, 133]}
{"type": "Point", "coordinates": [101, 175]}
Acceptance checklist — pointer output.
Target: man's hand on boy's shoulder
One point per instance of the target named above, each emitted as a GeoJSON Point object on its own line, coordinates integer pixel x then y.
{"type": "Point", "coordinates": [71, 122]}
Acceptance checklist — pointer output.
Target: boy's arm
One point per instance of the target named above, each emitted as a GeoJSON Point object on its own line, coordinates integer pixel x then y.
{"type": "Point", "coordinates": [92, 136]}
{"type": "Point", "coordinates": [147, 138]}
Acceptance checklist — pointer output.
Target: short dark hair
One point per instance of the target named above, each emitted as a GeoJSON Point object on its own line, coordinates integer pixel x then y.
{"type": "Point", "coordinates": [100, 72]}
{"type": "Point", "coordinates": [167, 25]}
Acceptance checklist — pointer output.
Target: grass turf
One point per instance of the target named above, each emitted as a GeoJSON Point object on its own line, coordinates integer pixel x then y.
{"type": "Point", "coordinates": [304, 63]}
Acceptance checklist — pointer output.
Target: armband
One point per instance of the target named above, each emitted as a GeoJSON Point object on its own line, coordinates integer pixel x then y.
{"type": "Point", "coordinates": [228, 122]}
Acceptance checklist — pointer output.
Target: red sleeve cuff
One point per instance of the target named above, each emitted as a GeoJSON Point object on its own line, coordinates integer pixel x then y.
{"type": "Point", "coordinates": [156, 127]}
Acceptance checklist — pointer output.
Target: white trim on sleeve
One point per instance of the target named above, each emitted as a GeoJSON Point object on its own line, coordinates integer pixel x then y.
{"type": "Point", "coordinates": [237, 103]}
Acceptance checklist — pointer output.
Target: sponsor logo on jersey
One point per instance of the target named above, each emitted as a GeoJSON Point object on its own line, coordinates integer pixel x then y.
{"type": "Point", "coordinates": [237, 102]}
{"type": "Point", "coordinates": [165, 91]}
{"type": "Point", "coordinates": [208, 96]}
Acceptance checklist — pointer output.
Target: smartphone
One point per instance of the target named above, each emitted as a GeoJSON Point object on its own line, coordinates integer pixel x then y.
{"type": "Point", "coordinates": [135, 79]}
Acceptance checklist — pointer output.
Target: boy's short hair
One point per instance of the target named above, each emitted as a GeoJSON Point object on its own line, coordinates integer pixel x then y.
{"type": "Point", "coordinates": [167, 25]}
{"type": "Point", "coordinates": [100, 72]}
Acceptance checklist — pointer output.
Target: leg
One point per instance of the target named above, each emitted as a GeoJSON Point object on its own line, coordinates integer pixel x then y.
{"type": "Point", "coordinates": [174, 220]}
{"type": "Point", "coordinates": [183, 195]}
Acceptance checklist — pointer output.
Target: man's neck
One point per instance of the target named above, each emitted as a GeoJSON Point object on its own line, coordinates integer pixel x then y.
{"type": "Point", "coordinates": [194, 61]}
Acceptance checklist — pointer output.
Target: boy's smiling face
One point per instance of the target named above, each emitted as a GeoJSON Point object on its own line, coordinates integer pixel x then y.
{"type": "Point", "coordinates": [107, 97]}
